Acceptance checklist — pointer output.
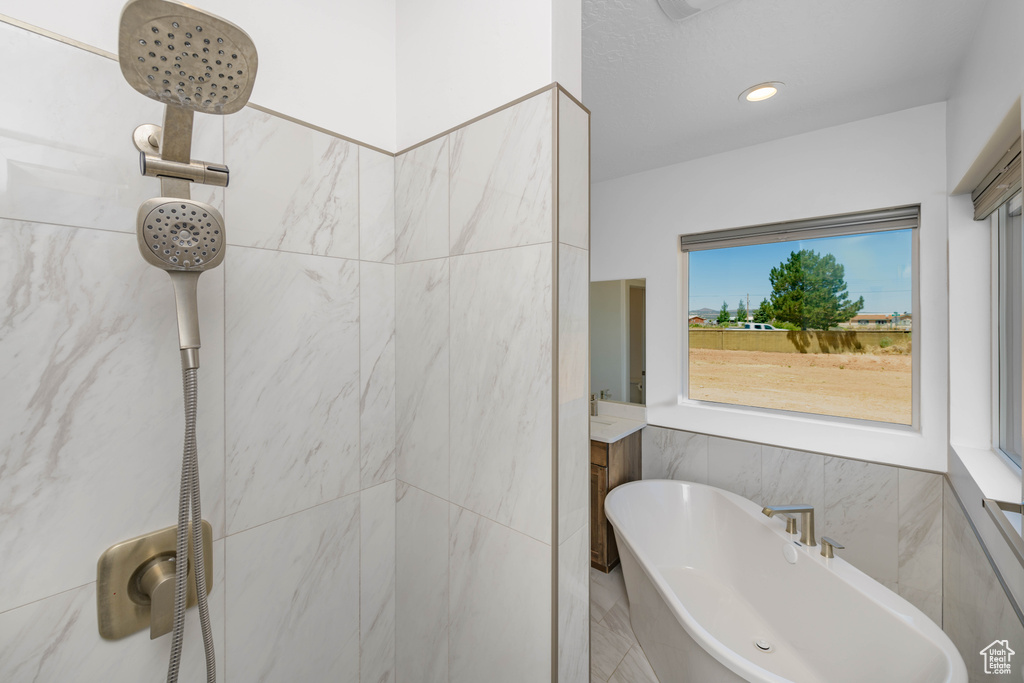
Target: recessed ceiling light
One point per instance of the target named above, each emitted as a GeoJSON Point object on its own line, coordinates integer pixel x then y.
{"type": "Point", "coordinates": [761, 91]}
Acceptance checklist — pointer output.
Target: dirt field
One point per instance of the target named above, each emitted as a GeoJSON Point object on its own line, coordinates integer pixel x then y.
{"type": "Point", "coordinates": [865, 386]}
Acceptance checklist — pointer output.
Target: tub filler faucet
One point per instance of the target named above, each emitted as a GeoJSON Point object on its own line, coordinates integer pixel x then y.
{"type": "Point", "coordinates": [806, 513]}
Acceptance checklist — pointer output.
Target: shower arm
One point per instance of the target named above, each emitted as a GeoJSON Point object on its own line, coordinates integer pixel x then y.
{"type": "Point", "coordinates": [175, 147]}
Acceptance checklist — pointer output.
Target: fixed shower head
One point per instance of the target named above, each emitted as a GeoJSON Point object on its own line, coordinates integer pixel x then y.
{"type": "Point", "coordinates": [181, 56]}
{"type": "Point", "coordinates": [192, 62]}
{"type": "Point", "coordinates": [180, 234]}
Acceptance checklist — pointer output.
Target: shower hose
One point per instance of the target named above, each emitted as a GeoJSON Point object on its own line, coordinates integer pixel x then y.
{"type": "Point", "coordinates": [190, 497]}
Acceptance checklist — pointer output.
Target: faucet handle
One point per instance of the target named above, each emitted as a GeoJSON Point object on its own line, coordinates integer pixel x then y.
{"type": "Point", "coordinates": [827, 544]}
{"type": "Point", "coordinates": [790, 524]}
{"type": "Point", "coordinates": [156, 580]}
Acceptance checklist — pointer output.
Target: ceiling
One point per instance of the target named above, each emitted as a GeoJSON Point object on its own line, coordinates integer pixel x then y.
{"type": "Point", "coordinates": [662, 92]}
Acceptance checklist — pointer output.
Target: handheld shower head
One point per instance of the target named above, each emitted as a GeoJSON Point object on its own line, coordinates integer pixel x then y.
{"type": "Point", "coordinates": [185, 238]}
{"type": "Point", "coordinates": [180, 235]}
{"type": "Point", "coordinates": [184, 57]}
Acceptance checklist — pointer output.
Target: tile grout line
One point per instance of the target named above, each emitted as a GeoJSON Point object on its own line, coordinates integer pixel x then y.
{"type": "Point", "coordinates": [394, 331]}
{"type": "Point", "coordinates": [612, 675]}
{"type": "Point", "coordinates": [46, 597]}
{"type": "Point", "coordinates": [448, 263]}
{"type": "Point", "coordinates": [359, 423]}
{"type": "Point", "coordinates": [296, 512]}
{"type": "Point", "coordinates": [555, 388]}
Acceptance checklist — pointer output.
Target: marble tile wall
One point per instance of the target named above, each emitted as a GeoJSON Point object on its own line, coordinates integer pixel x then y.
{"type": "Point", "coordinates": [976, 609]}
{"type": "Point", "coordinates": [889, 518]}
{"type": "Point", "coordinates": [307, 377]}
{"type": "Point", "coordinates": [501, 386]}
{"type": "Point", "coordinates": [297, 430]}
{"type": "Point", "coordinates": [421, 202]}
{"type": "Point", "coordinates": [476, 255]}
{"type": "Point", "coordinates": [499, 627]}
{"type": "Point", "coordinates": [422, 367]}
{"type": "Point", "coordinates": [290, 175]}
{"type": "Point", "coordinates": [354, 468]}
{"type": "Point", "coordinates": [500, 179]}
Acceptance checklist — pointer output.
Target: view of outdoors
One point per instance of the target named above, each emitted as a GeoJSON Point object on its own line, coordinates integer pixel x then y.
{"type": "Point", "coordinates": [816, 326]}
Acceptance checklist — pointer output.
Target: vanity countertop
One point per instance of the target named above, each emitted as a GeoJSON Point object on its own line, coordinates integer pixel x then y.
{"type": "Point", "coordinates": [609, 429]}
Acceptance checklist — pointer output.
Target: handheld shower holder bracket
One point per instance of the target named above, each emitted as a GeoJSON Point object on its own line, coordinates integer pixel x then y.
{"type": "Point", "coordinates": [148, 139]}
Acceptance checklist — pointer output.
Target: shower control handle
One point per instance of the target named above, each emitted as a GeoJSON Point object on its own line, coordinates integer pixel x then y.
{"type": "Point", "coordinates": [157, 582]}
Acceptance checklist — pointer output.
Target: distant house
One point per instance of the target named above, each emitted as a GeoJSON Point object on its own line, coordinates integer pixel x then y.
{"type": "Point", "coordinates": [871, 319]}
{"type": "Point", "coordinates": [706, 313]}
{"type": "Point", "coordinates": [697, 320]}
{"type": "Point", "coordinates": [874, 321]}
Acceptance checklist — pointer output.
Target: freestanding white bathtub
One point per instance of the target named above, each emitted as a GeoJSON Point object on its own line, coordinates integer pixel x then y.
{"type": "Point", "coordinates": [710, 586]}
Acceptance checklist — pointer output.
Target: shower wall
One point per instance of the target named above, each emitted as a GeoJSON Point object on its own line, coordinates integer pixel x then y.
{"type": "Point", "coordinates": [492, 238]}
{"type": "Point", "coordinates": [297, 410]}
{"type": "Point", "coordinates": [324, 484]}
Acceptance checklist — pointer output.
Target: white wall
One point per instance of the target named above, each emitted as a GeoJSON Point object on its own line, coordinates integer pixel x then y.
{"type": "Point", "coordinates": [458, 59]}
{"type": "Point", "coordinates": [889, 160]}
{"type": "Point", "coordinates": [567, 45]}
{"type": "Point", "coordinates": [386, 73]}
{"type": "Point", "coordinates": [983, 120]}
{"type": "Point", "coordinates": [987, 88]}
{"type": "Point", "coordinates": [991, 78]}
{"type": "Point", "coordinates": [327, 62]}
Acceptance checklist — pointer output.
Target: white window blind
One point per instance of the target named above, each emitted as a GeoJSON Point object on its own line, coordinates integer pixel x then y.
{"type": "Point", "coordinates": [897, 218]}
{"type": "Point", "coordinates": [1001, 183]}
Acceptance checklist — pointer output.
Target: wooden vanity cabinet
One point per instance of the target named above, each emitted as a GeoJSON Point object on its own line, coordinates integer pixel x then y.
{"type": "Point", "coordinates": [611, 464]}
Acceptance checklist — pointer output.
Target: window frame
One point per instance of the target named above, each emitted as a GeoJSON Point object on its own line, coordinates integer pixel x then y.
{"type": "Point", "coordinates": [852, 223]}
{"type": "Point", "coordinates": [1007, 313]}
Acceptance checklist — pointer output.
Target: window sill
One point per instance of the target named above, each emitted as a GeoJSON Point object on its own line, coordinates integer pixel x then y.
{"type": "Point", "coordinates": [876, 442]}
{"type": "Point", "coordinates": [993, 473]}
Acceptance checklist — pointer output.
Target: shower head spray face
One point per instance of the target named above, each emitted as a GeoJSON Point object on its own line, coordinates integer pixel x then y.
{"type": "Point", "coordinates": [181, 56]}
{"type": "Point", "coordinates": [180, 234]}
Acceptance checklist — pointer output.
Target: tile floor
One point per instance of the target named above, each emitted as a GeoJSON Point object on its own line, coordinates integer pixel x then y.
{"type": "Point", "coordinates": [615, 656]}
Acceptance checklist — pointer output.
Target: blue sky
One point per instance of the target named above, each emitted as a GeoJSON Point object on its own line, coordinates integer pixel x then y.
{"type": "Point", "coordinates": [877, 268]}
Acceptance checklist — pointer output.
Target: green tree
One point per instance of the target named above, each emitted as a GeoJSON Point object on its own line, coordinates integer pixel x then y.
{"type": "Point", "coordinates": [809, 290]}
{"type": "Point", "coordinates": [764, 312]}
{"type": "Point", "coordinates": [741, 313]}
{"type": "Point", "coordinates": [723, 315]}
